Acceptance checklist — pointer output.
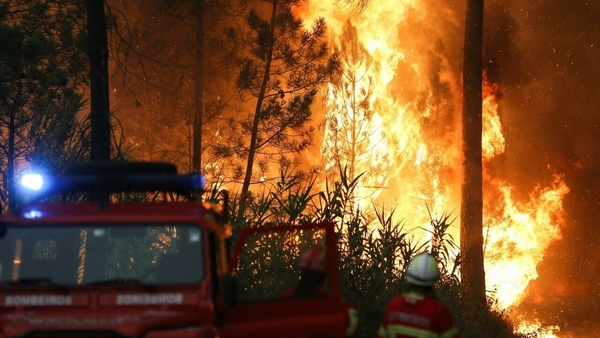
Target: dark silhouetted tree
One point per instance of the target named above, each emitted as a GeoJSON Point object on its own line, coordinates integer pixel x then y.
{"type": "Point", "coordinates": [471, 227]}
{"type": "Point", "coordinates": [280, 73]}
{"type": "Point", "coordinates": [98, 55]}
{"type": "Point", "coordinates": [43, 69]}
{"type": "Point", "coordinates": [169, 72]}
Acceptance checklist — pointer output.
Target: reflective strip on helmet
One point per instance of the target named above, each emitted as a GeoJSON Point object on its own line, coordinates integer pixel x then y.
{"type": "Point", "coordinates": [422, 281]}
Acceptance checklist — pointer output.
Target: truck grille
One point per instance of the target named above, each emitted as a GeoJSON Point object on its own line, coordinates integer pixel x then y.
{"type": "Point", "coordinates": [73, 334]}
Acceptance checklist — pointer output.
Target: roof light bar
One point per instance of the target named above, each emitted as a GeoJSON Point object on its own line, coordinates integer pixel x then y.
{"type": "Point", "coordinates": [114, 178]}
{"type": "Point", "coordinates": [125, 183]}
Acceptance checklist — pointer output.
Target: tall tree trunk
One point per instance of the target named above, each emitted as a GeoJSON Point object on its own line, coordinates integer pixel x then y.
{"type": "Point", "coordinates": [257, 116]}
{"type": "Point", "coordinates": [98, 55]}
{"type": "Point", "coordinates": [199, 89]}
{"type": "Point", "coordinates": [471, 228]}
{"type": "Point", "coordinates": [9, 179]}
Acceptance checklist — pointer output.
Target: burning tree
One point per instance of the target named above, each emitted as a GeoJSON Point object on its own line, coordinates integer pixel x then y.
{"type": "Point", "coordinates": [349, 109]}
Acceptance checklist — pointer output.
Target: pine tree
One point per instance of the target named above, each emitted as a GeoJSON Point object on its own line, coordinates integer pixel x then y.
{"type": "Point", "coordinates": [43, 67]}
{"type": "Point", "coordinates": [280, 75]}
{"type": "Point", "coordinates": [349, 111]}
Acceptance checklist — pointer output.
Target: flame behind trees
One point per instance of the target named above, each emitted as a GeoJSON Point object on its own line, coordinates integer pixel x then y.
{"type": "Point", "coordinates": [416, 131]}
{"type": "Point", "coordinates": [154, 48]}
{"type": "Point", "coordinates": [349, 110]}
{"type": "Point", "coordinates": [160, 74]}
{"type": "Point", "coordinates": [390, 126]}
{"type": "Point", "coordinates": [279, 75]}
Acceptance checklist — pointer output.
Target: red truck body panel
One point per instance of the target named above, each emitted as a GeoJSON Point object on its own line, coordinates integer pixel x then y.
{"type": "Point", "coordinates": [141, 304]}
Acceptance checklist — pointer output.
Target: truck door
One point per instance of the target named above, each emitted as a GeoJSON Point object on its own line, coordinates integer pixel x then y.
{"type": "Point", "coordinates": [267, 270]}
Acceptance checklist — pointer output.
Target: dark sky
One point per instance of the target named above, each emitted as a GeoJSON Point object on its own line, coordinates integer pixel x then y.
{"type": "Point", "coordinates": [545, 54]}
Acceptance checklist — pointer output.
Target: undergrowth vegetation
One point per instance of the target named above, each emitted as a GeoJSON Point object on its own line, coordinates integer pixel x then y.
{"type": "Point", "coordinates": [374, 249]}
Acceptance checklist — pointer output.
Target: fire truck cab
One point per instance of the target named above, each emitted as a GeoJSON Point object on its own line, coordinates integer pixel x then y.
{"type": "Point", "coordinates": [145, 257]}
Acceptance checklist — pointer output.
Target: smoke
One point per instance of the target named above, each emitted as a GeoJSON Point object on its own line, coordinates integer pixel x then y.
{"type": "Point", "coordinates": [500, 55]}
{"type": "Point", "coordinates": [545, 56]}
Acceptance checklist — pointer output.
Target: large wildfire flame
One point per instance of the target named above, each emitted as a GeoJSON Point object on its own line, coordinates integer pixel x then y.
{"type": "Point", "coordinates": [394, 114]}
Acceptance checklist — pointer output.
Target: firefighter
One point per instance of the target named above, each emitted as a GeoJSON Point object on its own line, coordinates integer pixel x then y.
{"type": "Point", "coordinates": [313, 283]}
{"type": "Point", "coordinates": [417, 313]}
{"type": "Point", "coordinates": [313, 275]}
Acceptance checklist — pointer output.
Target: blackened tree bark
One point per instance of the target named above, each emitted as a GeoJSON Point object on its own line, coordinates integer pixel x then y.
{"type": "Point", "coordinates": [98, 55]}
{"type": "Point", "coordinates": [471, 228]}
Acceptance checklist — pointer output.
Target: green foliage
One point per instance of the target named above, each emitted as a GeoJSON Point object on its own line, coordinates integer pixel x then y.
{"type": "Point", "coordinates": [269, 263]}
{"type": "Point", "coordinates": [373, 251]}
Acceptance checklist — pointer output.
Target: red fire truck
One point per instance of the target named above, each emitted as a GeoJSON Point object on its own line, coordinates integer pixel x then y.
{"type": "Point", "coordinates": [130, 250]}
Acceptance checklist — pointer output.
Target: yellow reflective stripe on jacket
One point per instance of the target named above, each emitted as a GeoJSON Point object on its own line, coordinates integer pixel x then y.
{"type": "Point", "coordinates": [450, 333]}
{"type": "Point", "coordinates": [381, 332]}
{"type": "Point", "coordinates": [353, 322]}
{"type": "Point", "coordinates": [397, 329]}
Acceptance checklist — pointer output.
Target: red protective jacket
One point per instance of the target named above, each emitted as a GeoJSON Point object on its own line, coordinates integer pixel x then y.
{"type": "Point", "coordinates": [414, 315]}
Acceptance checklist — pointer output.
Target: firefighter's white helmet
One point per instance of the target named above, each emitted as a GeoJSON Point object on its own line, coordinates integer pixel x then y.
{"type": "Point", "coordinates": [423, 270]}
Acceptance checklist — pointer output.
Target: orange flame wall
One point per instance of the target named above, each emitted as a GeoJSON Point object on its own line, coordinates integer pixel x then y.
{"type": "Point", "coordinates": [394, 114]}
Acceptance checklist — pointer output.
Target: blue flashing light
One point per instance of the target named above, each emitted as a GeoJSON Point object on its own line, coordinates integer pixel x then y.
{"type": "Point", "coordinates": [32, 181]}
{"type": "Point", "coordinates": [200, 182]}
{"type": "Point", "coordinates": [32, 214]}
{"type": "Point", "coordinates": [35, 187]}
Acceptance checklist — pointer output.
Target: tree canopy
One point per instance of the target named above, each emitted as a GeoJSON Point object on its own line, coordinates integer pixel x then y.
{"type": "Point", "coordinates": [43, 68]}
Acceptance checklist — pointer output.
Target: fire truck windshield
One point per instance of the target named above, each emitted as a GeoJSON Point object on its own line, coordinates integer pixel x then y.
{"type": "Point", "coordinates": [101, 254]}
